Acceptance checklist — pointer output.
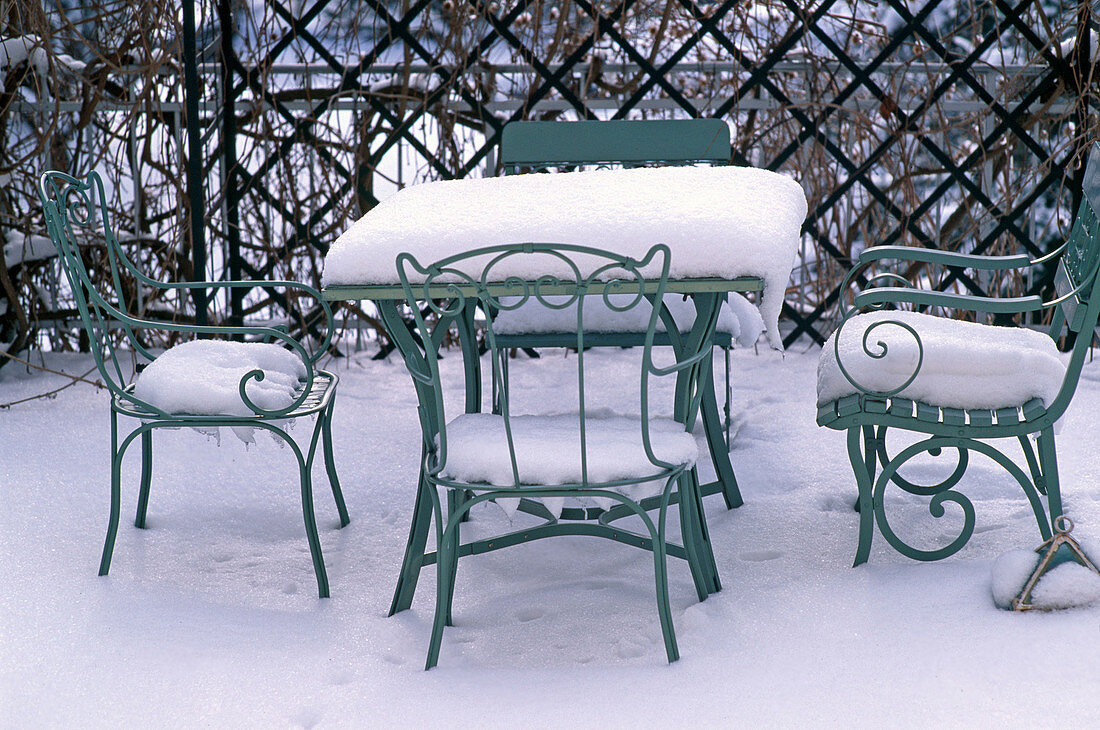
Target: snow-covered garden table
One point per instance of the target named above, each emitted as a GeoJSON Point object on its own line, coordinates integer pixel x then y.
{"type": "Point", "coordinates": [730, 229]}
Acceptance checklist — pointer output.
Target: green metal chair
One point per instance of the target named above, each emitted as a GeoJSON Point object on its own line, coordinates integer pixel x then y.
{"type": "Point", "coordinates": [636, 462]}
{"type": "Point", "coordinates": [77, 220]}
{"type": "Point", "coordinates": [966, 386]}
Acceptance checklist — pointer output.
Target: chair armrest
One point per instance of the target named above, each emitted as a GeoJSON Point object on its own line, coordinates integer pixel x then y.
{"type": "Point", "coordinates": [261, 283]}
{"type": "Point", "coordinates": [944, 258]}
{"type": "Point", "coordinates": [878, 297]}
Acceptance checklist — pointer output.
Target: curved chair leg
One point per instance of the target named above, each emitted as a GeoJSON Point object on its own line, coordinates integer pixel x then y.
{"type": "Point", "coordinates": [414, 548]}
{"type": "Point", "coordinates": [726, 420]}
{"type": "Point", "coordinates": [146, 478]}
{"type": "Point", "coordinates": [116, 476]}
{"type": "Point", "coordinates": [689, 530]}
{"type": "Point", "coordinates": [870, 454]}
{"type": "Point", "coordinates": [1048, 461]}
{"type": "Point", "coordinates": [454, 503]}
{"type": "Point", "coordinates": [694, 496]}
{"type": "Point", "coordinates": [704, 571]}
{"type": "Point", "coordinates": [864, 470]}
{"type": "Point", "coordinates": [704, 534]}
{"type": "Point", "coordinates": [309, 517]}
{"type": "Point", "coordinates": [305, 467]}
{"type": "Point", "coordinates": [330, 463]}
{"type": "Point", "coordinates": [1032, 464]}
{"type": "Point", "coordinates": [660, 571]}
{"type": "Point", "coordinates": [310, 520]}
{"type": "Point", "coordinates": [445, 574]}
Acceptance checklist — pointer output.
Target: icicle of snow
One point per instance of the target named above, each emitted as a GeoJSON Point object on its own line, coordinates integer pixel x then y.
{"type": "Point", "coordinates": [245, 433]}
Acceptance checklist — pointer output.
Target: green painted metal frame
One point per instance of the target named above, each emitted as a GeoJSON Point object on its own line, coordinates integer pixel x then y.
{"type": "Point", "coordinates": [537, 146]}
{"type": "Point", "coordinates": [69, 204]}
{"type": "Point", "coordinates": [868, 414]}
{"type": "Point", "coordinates": [540, 146]}
{"type": "Point", "coordinates": [462, 496]}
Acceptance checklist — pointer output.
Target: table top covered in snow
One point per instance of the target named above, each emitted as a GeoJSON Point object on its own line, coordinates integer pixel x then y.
{"type": "Point", "coordinates": [728, 228]}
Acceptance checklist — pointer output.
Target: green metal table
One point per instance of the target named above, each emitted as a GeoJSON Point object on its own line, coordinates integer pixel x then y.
{"type": "Point", "coordinates": [707, 294]}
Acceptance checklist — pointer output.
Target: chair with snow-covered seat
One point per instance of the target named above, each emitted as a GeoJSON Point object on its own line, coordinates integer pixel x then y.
{"type": "Point", "coordinates": [540, 146]}
{"type": "Point", "coordinates": [262, 379]}
{"type": "Point", "coordinates": [959, 386]}
{"type": "Point", "coordinates": [591, 457]}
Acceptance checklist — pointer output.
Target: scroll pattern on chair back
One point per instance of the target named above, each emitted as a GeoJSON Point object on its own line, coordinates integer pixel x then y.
{"type": "Point", "coordinates": [73, 207]}
{"type": "Point", "coordinates": [489, 278]}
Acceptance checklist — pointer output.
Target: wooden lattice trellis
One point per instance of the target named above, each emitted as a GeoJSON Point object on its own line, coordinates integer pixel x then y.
{"type": "Point", "coordinates": [835, 100]}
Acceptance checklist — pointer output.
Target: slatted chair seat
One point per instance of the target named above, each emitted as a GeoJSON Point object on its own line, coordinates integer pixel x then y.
{"type": "Point", "coordinates": [965, 372]}
{"type": "Point", "coordinates": [904, 408]}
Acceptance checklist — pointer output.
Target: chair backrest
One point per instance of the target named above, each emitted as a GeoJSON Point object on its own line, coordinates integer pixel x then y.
{"type": "Point", "coordinates": [1077, 308]}
{"type": "Point", "coordinates": [1075, 278]}
{"type": "Point", "coordinates": [76, 209]}
{"type": "Point", "coordinates": [554, 276]}
{"type": "Point", "coordinates": [541, 145]}
{"type": "Point", "coordinates": [110, 291]}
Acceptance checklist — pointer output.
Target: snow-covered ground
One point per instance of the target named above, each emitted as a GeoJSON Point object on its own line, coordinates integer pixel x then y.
{"type": "Point", "coordinates": [210, 617]}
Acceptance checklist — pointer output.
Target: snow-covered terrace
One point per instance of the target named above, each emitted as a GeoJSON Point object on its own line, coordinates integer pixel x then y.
{"type": "Point", "coordinates": [210, 617]}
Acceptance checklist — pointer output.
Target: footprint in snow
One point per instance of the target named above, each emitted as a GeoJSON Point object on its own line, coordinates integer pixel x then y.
{"type": "Point", "coordinates": [760, 556]}
{"type": "Point", "coordinates": [306, 718]}
{"type": "Point", "coordinates": [529, 614]}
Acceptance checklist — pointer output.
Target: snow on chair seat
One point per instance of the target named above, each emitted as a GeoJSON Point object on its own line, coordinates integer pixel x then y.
{"type": "Point", "coordinates": [547, 450]}
{"type": "Point", "coordinates": [957, 364]}
{"type": "Point", "coordinates": [203, 377]}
